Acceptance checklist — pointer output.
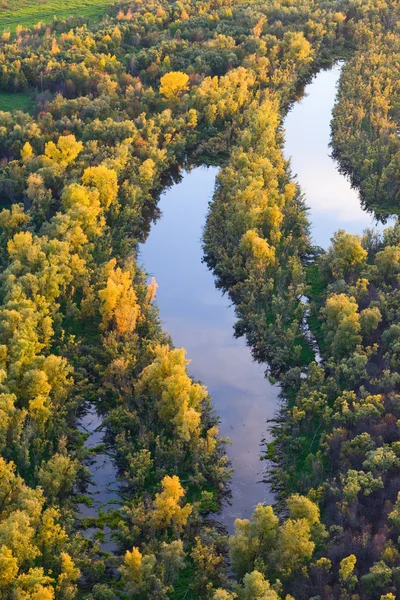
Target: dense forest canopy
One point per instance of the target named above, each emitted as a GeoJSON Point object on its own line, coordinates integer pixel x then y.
{"type": "Point", "coordinates": [117, 110]}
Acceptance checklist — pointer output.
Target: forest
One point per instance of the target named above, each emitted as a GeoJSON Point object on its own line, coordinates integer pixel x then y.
{"type": "Point", "coordinates": [98, 117]}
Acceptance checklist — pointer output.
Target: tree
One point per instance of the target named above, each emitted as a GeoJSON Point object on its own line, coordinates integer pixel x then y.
{"type": "Point", "coordinates": [221, 594]}
{"type": "Point", "coordinates": [27, 152]}
{"type": "Point", "coordinates": [388, 261]}
{"type": "Point", "coordinates": [82, 204]}
{"type": "Point", "coordinates": [178, 398]}
{"type": "Point", "coordinates": [342, 323]}
{"type": "Point", "coordinates": [8, 568]}
{"type": "Point", "coordinates": [119, 306]}
{"type": "Point", "coordinates": [58, 475]}
{"type": "Point", "coordinates": [369, 320]}
{"type": "Point", "coordinates": [208, 562]}
{"type": "Point", "coordinates": [256, 587]}
{"type": "Point", "coordinates": [131, 570]}
{"type": "Point", "coordinates": [167, 510]}
{"type": "Point", "coordinates": [347, 577]}
{"type": "Point", "coordinates": [64, 152]}
{"type": "Point", "coordinates": [301, 507]}
{"type": "Point", "coordinates": [35, 585]}
{"type": "Point", "coordinates": [173, 84]}
{"type": "Point", "coordinates": [173, 558]}
{"type": "Point", "coordinates": [345, 255]}
{"type": "Point", "coordinates": [69, 574]}
{"type": "Point", "coordinates": [105, 181]}
{"type": "Point", "coordinates": [295, 546]}
{"type": "Point", "coordinates": [261, 253]}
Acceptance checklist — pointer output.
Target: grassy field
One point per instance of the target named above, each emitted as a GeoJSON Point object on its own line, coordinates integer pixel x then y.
{"type": "Point", "coordinates": [9, 102]}
{"type": "Point", "coordinates": [30, 12]}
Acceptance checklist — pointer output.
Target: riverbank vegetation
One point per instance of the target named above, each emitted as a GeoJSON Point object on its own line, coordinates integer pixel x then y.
{"type": "Point", "coordinates": [121, 107]}
{"type": "Point", "coordinates": [366, 119]}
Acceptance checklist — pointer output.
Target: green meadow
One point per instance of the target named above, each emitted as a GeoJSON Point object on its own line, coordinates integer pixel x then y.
{"type": "Point", "coordinates": [20, 101]}
{"type": "Point", "coordinates": [30, 12]}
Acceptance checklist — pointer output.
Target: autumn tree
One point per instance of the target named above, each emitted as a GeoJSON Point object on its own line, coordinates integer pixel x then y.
{"type": "Point", "coordinates": [173, 84]}
{"type": "Point", "coordinates": [119, 306]}
{"type": "Point", "coordinates": [167, 508]}
{"type": "Point", "coordinates": [178, 397]}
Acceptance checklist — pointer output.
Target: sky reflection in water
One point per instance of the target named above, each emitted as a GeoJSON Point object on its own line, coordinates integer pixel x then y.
{"type": "Point", "coordinates": [333, 203]}
{"type": "Point", "coordinates": [199, 318]}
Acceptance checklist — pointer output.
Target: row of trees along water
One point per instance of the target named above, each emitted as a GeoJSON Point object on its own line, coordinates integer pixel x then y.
{"type": "Point", "coordinates": [121, 107]}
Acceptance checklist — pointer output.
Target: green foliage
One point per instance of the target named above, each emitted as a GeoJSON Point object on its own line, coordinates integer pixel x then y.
{"type": "Point", "coordinates": [21, 101]}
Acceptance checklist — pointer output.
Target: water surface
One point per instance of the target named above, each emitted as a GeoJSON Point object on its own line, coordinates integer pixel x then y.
{"type": "Point", "coordinates": [201, 319]}
{"type": "Point", "coordinates": [333, 203]}
{"type": "Point", "coordinates": [103, 488]}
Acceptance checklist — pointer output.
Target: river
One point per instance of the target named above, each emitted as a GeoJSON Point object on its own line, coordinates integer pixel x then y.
{"type": "Point", "coordinates": [201, 319]}
{"type": "Point", "coordinates": [332, 202]}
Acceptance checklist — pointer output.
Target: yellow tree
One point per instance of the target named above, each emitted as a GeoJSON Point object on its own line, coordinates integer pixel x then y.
{"type": "Point", "coordinates": [64, 152]}
{"type": "Point", "coordinates": [178, 398]}
{"type": "Point", "coordinates": [173, 84]}
{"type": "Point", "coordinates": [82, 204]}
{"type": "Point", "coordinates": [167, 510]}
{"type": "Point", "coordinates": [119, 306]}
{"type": "Point", "coordinates": [8, 568]}
{"type": "Point", "coordinates": [105, 181]}
{"type": "Point", "coordinates": [131, 570]}
{"type": "Point", "coordinates": [261, 254]}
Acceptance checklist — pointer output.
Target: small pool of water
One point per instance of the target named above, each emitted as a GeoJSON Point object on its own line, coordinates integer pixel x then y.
{"type": "Point", "coordinates": [103, 488]}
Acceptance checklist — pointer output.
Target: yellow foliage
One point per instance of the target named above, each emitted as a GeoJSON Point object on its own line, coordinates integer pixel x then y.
{"type": "Point", "coordinates": [173, 84]}
{"type": "Point", "coordinates": [43, 593]}
{"type": "Point", "coordinates": [119, 306]}
{"type": "Point", "coordinates": [83, 205]}
{"type": "Point", "coordinates": [26, 152]}
{"type": "Point", "coordinates": [301, 507]}
{"type": "Point", "coordinates": [339, 307]}
{"type": "Point", "coordinates": [68, 569]}
{"type": "Point", "coordinates": [51, 535]}
{"type": "Point", "coordinates": [8, 567]}
{"type": "Point", "coordinates": [105, 181]}
{"type": "Point", "coordinates": [167, 510]}
{"type": "Point", "coordinates": [262, 254]}
{"type": "Point", "coordinates": [35, 585]}
{"type": "Point", "coordinates": [17, 533]}
{"type": "Point", "coordinates": [178, 398]}
{"type": "Point", "coordinates": [65, 152]}
{"type": "Point", "coordinates": [132, 567]}
{"type": "Point", "coordinates": [151, 290]}
{"type": "Point", "coordinates": [295, 544]}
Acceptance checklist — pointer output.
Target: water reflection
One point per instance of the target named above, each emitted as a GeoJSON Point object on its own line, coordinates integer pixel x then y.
{"type": "Point", "coordinates": [333, 203]}
{"type": "Point", "coordinates": [199, 318]}
{"type": "Point", "coordinates": [103, 487]}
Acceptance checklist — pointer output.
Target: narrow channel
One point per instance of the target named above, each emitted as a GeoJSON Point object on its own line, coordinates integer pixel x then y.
{"type": "Point", "coordinates": [201, 319]}
{"type": "Point", "coordinates": [332, 202]}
